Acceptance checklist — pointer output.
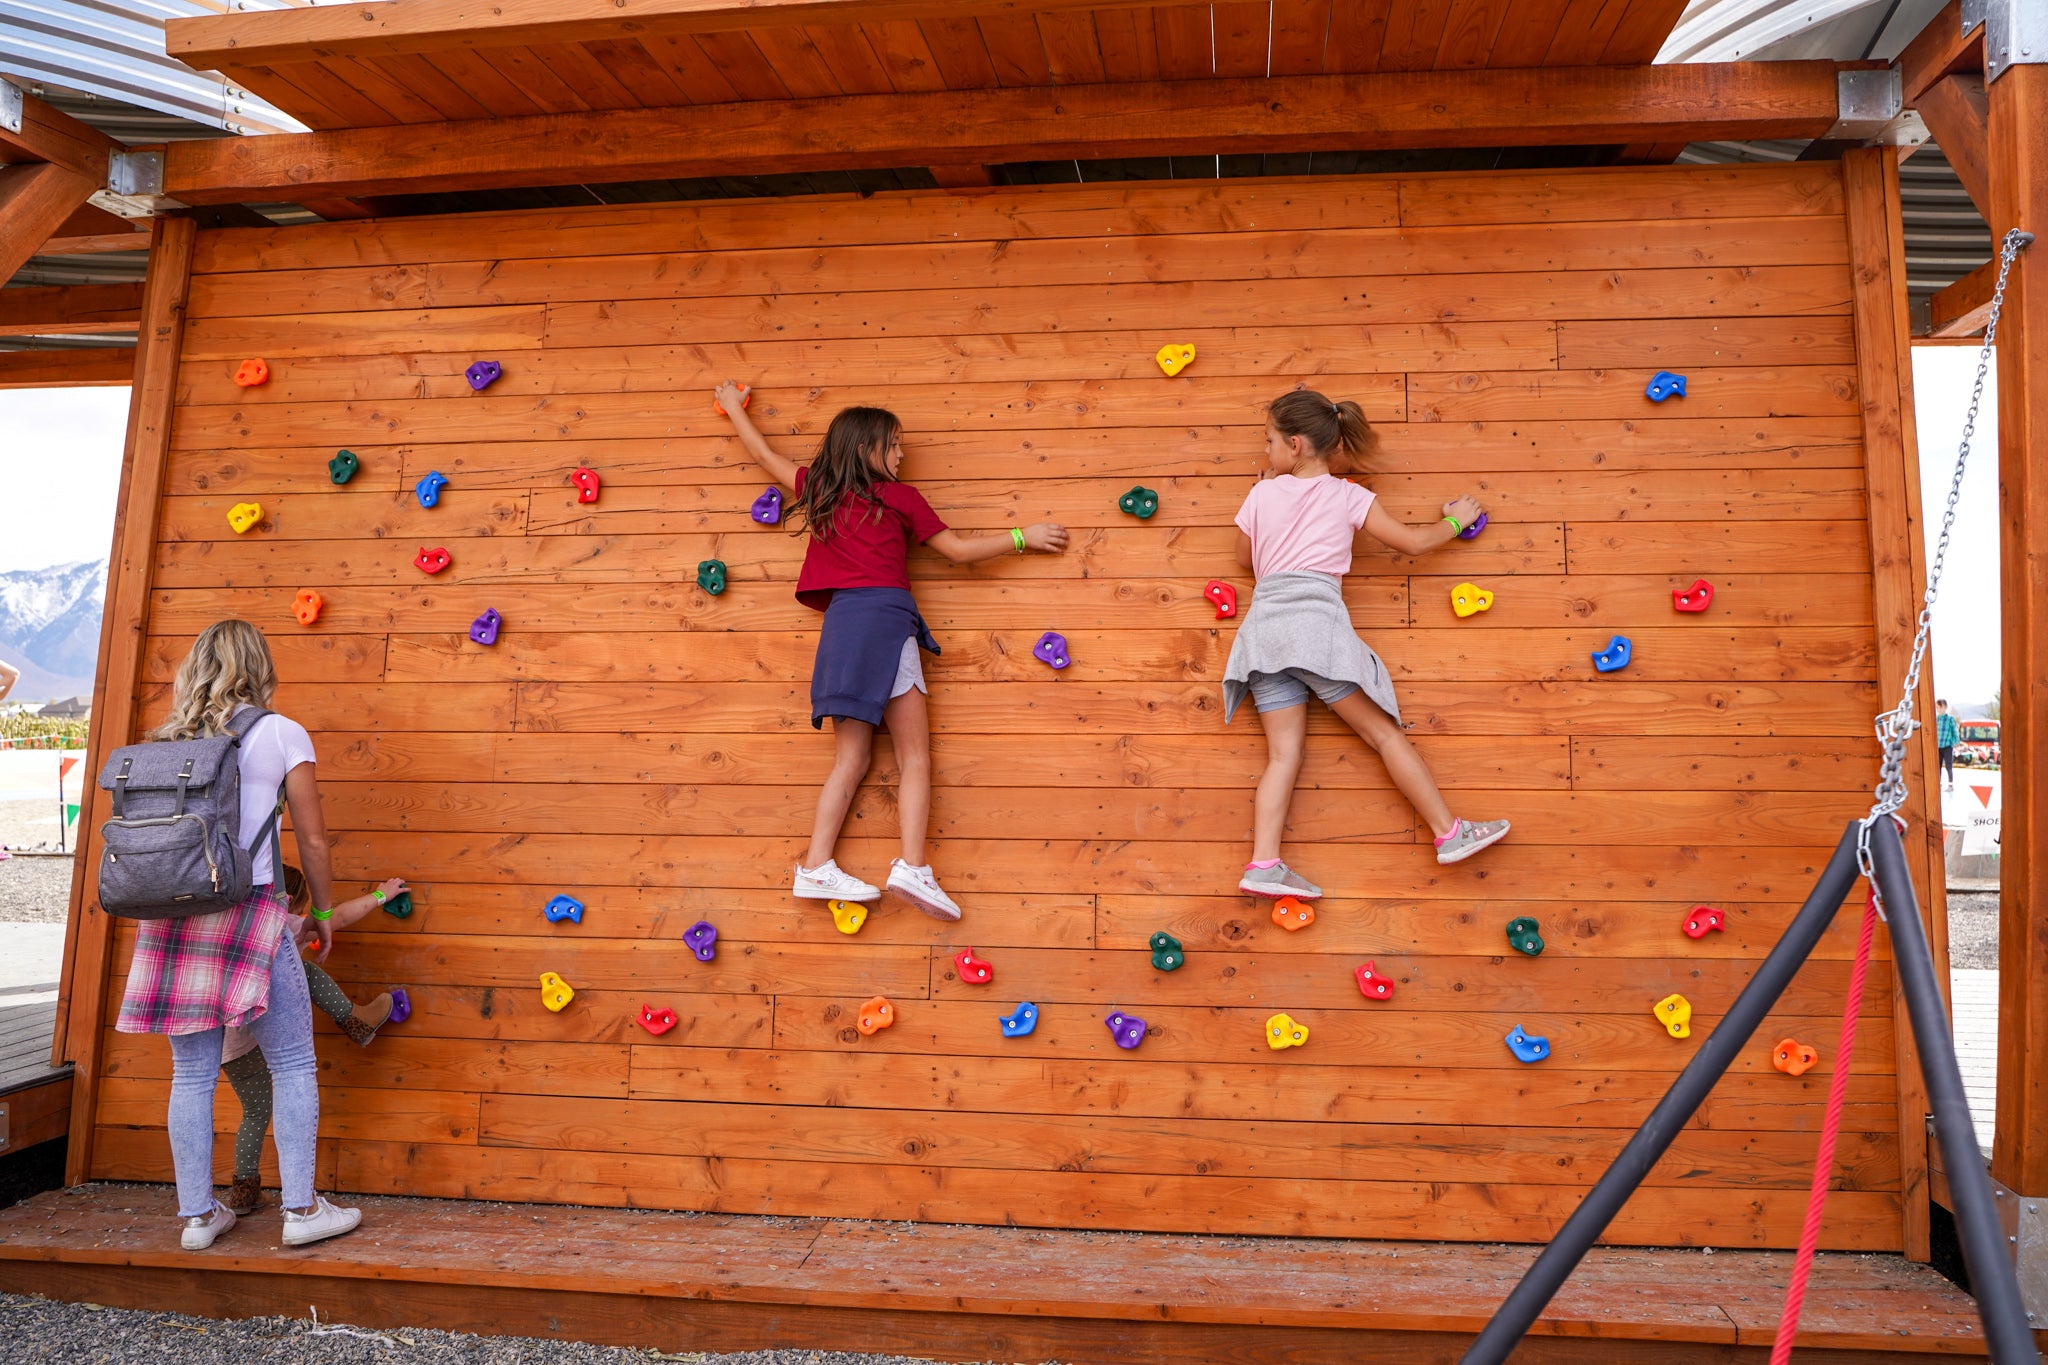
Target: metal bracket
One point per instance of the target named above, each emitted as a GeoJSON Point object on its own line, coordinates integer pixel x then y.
{"type": "Point", "coordinates": [2032, 1259]}
{"type": "Point", "coordinates": [135, 173]}
{"type": "Point", "coordinates": [3, 1125]}
{"type": "Point", "coordinates": [1870, 109]}
{"type": "Point", "coordinates": [1973, 15]}
{"type": "Point", "coordinates": [2015, 34]}
{"type": "Point", "coordinates": [10, 106]}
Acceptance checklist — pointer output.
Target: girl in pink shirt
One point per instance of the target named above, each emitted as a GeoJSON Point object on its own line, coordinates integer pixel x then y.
{"type": "Point", "coordinates": [1294, 533]}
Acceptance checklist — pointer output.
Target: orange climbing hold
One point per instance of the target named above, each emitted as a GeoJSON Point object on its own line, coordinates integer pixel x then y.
{"type": "Point", "coordinates": [1291, 914]}
{"type": "Point", "coordinates": [876, 1015]}
{"type": "Point", "coordinates": [1793, 1057]}
{"type": "Point", "coordinates": [746, 400]}
{"type": "Point", "coordinates": [252, 372]}
{"type": "Point", "coordinates": [306, 606]}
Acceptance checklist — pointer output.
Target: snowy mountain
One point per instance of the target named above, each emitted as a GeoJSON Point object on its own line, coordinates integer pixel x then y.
{"type": "Point", "coordinates": [50, 628]}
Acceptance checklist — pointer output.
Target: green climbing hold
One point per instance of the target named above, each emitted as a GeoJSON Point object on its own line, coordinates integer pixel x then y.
{"type": "Point", "coordinates": [343, 466]}
{"type": "Point", "coordinates": [399, 905]}
{"type": "Point", "coordinates": [1523, 938]}
{"type": "Point", "coordinates": [1141, 502]}
{"type": "Point", "coordinates": [711, 576]}
{"type": "Point", "coordinates": [1167, 954]}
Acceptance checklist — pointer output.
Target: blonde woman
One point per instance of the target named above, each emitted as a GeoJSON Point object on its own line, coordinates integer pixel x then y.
{"type": "Point", "coordinates": [193, 978]}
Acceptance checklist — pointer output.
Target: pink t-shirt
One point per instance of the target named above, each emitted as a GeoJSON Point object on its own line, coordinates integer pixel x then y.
{"type": "Point", "coordinates": [1303, 524]}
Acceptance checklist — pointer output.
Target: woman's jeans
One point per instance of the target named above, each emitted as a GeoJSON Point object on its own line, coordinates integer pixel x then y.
{"type": "Point", "coordinates": [285, 1034]}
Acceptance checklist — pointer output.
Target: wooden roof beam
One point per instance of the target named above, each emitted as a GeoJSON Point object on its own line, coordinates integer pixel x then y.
{"type": "Point", "coordinates": [35, 200]}
{"type": "Point", "coordinates": [1476, 108]}
{"type": "Point", "coordinates": [1940, 49]}
{"type": "Point", "coordinates": [1961, 309]}
{"type": "Point", "coordinates": [1956, 111]}
{"type": "Point", "coordinates": [70, 310]}
{"type": "Point", "coordinates": [52, 136]}
{"type": "Point", "coordinates": [88, 367]}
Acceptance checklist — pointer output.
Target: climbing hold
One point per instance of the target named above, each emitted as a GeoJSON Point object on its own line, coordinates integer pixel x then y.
{"type": "Point", "coordinates": [971, 969]}
{"type": "Point", "coordinates": [711, 575]}
{"type": "Point", "coordinates": [702, 940]}
{"type": "Point", "coordinates": [306, 606]}
{"type": "Point", "coordinates": [343, 466]}
{"type": "Point", "coordinates": [1141, 502]}
{"type": "Point", "coordinates": [1020, 1020]}
{"type": "Point", "coordinates": [1698, 597]}
{"type": "Point", "coordinates": [243, 515]}
{"type": "Point", "coordinates": [482, 374]}
{"type": "Point", "coordinates": [657, 1021]}
{"type": "Point", "coordinates": [1665, 384]}
{"type": "Point", "coordinates": [401, 1006]}
{"type": "Point", "coordinates": [1474, 529]}
{"type": "Point", "coordinates": [1282, 1031]}
{"type": "Point", "coordinates": [1372, 985]}
{"type": "Point", "coordinates": [767, 508]}
{"type": "Point", "coordinates": [1703, 920]}
{"type": "Point", "coordinates": [746, 400]}
{"type": "Point", "coordinates": [1167, 954]}
{"type": "Point", "coordinates": [847, 916]}
{"type": "Point", "coordinates": [563, 907]}
{"type": "Point", "coordinates": [484, 630]}
{"type": "Point", "coordinates": [1674, 1012]}
{"type": "Point", "coordinates": [875, 1015]}
{"type": "Point", "coordinates": [1523, 937]}
{"type": "Point", "coordinates": [428, 490]}
{"type": "Point", "coordinates": [1052, 649]}
{"type": "Point", "coordinates": [431, 561]}
{"type": "Point", "coordinates": [1793, 1057]}
{"type": "Point", "coordinates": [1291, 914]}
{"type": "Point", "coordinates": [251, 373]}
{"type": "Point", "coordinates": [1527, 1047]}
{"type": "Point", "coordinates": [1223, 595]}
{"type": "Point", "coordinates": [1127, 1029]}
{"type": "Point", "coordinates": [399, 906]}
{"type": "Point", "coordinates": [555, 992]}
{"type": "Point", "coordinates": [1467, 600]}
{"type": "Point", "coordinates": [1175, 357]}
{"type": "Point", "coordinates": [587, 483]}
{"type": "Point", "coordinates": [1615, 657]}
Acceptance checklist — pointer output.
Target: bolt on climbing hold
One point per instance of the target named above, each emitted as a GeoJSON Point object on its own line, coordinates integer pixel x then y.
{"type": "Point", "coordinates": [1051, 649]}
{"type": "Point", "coordinates": [306, 606]}
{"type": "Point", "coordinates": [1523, 936]}
{"type": "Point", "coordinates": [1223, 595]}
{"type": "Point", "coordinates": [746, 400]}
{"type": "Point", "coordinates": [555, 992]}
{"type": "Point", "coordinates": [243, 515]}
{"type": "Point", "coordinates": [484, 630]}
{"type": "Point", "coordinates": [399, 906]}
{"type": "Point", "coordinates": [343, 466]}
{"type": "Point", "coordinates": [482, 374]}
{"type": "Point", "coordinates": [1615, 657]}
{"type": "Point", "coordinates": [401, 1006]}
{"type": "Point", "coordinates": [1527, 1047]}
{"type": "Point", "coordinates": [1291, 914]}
{"type": "Point", "coordinates": [1175, 357]}
{"type": "Point", "coordinates": [971, 969]}
{"type": "Point", "coordinates": [1282, 1031]}
{"type": "Point", "coordinates": [1468, 599]}
{"type": "Point", "coordinates": [428, 489]}
{"type": "Point", "coordinates": [657, 1021]}
{"type": "Point", "coordinates": [875, 1015]}
{"type": "Point", "coordinates": [1698, 597]}
{"type": "Point", "coordinates": [431, 561]}
{"type": "Point", "coordinates": [587, 483]}
{"type": "Point", "coordinates": [1372, 985]}
{"type": "Point", "coordinates": [1020, 1020]}
{"type": "Point", "coordinates": [1674, 1012]}
{"type": "Point", "coordinates": [1141, 502]}
{"type": "Point", "coordinates": [1167, 954]}
{"type": "Point", "coordinates": [1127, 1029]}
{"type": "Point", "coordinates": [250, 373]}
{"type": "Point", "coordinates": [1793, 1057]}
{"type": "Point", "coordinates": [1471, 532]}
{"type": "Point", "coordinates": [702, 940]}
{"type": "Point", "coordinates": [1702, 920]}
{"type": "Point", "coordinates": [1664, 384]}
{"type": "Point", "coordinates": [711, 575]}
{"type": "Point", "coordinates": [847, 916]}
{"type": "Point", "coordinates": [563, 908]}
{"type": "Point", "coordinates": [767, 508]}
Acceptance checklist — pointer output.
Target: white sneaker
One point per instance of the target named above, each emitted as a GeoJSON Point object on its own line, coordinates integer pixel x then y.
{"type": "Point", "coordinates": [200, 1232]}
{"type": "Point", "coordinates": [918, 886]}
{"type": "Point", "coordinates": [301, 1229]}
{"type": "Point", "coordinates": [827, 882]}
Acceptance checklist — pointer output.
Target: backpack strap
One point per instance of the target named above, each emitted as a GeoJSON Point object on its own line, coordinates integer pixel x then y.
{"type": "Point", "coordinates": [244, 720]}
{"type": "Point", "coordinates": [239, 726]}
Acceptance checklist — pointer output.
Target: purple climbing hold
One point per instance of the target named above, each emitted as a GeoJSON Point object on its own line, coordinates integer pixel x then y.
{"type": "Point", "coordinates": [703, 940]}
{"type": "Point", "coordinates": [483, 374]}
{"type": "Point", "coordinates": [484, 630]}
{"type": "Point", "coordinates": [1128, 1029]}
{"type": "Point", "coordinates": [768, 508]}
{"type": "Point", "coordinates": [1052, 649]}
{"type": "Point", "coordinates": [401, 1005]}
{"type": "Point", "coordinates": [1474, 529]}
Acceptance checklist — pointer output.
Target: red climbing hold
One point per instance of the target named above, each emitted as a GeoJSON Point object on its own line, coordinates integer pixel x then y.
{"type": "Point", "coordinates": [1223, 595]}
{"type": "Point", "coordinates": [587, 484]}
{"type": "Point", "coordinates": [1703, 920]}
{"type": "Point", "coordinates": [972, 969]}
{"type": "Point", "coordinates": [1698, 597]}
{"type": "Point", "coordinates": [431, 561]}
{"type": "Point", "coordinates": [657, 1021]}
{"type": "Point", "coordinates": [1372, 984]}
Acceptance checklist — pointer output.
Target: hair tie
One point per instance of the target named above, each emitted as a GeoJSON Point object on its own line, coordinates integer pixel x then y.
{"type": "Point", "coordinates": [1336, 410]}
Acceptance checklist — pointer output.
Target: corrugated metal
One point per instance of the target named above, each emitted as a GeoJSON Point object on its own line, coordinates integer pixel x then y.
{"type": "Point", "coordinates": [1785, 30]}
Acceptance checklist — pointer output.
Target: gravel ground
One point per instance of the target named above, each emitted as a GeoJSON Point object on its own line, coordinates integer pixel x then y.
{"type": "Point", "coordinates": [34, 890]}
{"type": "Point", "coordinates": [1972, 929]}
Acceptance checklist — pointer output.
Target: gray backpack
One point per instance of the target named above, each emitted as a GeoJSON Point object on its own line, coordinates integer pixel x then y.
{"type": "Point", "coordinates": [173, 847]}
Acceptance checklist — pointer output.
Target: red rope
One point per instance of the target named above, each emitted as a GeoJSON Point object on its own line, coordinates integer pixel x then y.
{"type": "Point", "coordinates": [1824, 1159]}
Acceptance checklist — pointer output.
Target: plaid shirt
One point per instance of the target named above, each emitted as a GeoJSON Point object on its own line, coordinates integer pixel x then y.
{"type": "Point", "coordinates": [204, 971]}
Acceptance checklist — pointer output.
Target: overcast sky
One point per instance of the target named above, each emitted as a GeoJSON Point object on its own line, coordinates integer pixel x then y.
{"type": "Point", "coordinates": [60, 461]}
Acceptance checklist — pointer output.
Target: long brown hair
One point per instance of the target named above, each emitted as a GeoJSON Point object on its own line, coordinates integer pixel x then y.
{"type": "Point", "coordinates": [845, 467]}
{"type": "Point", "coordinates": [229, 666]}
{"type": "Point", "coordinates": [1336, 431]}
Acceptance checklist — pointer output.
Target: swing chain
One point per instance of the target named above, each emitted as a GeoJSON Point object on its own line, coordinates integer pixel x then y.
{"type": "Point", "coordinates": [1896, 726]}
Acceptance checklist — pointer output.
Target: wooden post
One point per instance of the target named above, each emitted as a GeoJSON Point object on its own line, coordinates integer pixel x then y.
{"type": "Point", "coordinates": [2019, 198]}
{"type": "Point", "coordinates": [122, 629]}
{"type": "Point", "coordinates": [1884, 380]}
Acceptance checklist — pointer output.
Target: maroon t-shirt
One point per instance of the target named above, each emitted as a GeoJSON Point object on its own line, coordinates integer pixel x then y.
{"type": "Point", "coordinates": [866, 551]}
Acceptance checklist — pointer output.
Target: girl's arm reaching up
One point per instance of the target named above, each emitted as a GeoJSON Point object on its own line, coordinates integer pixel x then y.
{"type": "Point", "coordinates": [1397, 535]}
{"type": "Point", "coordinates": [1048, 536]}
{"type": "Point", "coordinates": [778, 467]}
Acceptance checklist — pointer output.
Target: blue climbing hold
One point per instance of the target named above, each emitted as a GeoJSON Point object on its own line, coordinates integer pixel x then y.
{"type": "Point", "coordinates": [1665, 385]}
{"type": "Point", "coordinates": [1527, 1047]}
{"type": "Point", "coordinates": [1020, 1020]}
{"type": "Point", "coordinates": [563, 908]}
{"type": "Point", "coordinates": [1615, 657]}
{"type": "Point", "coordinates": [429, 488]}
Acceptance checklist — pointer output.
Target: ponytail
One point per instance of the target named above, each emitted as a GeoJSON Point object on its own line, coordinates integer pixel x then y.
{"type": "Point", "coordinates": [1334, 430]}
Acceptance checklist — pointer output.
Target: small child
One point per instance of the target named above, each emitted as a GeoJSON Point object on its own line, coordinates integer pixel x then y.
{"type": "Point", "coordinates": [862, 521]}
{"type": "Point", "coordinates": [1294, 533]}
{"type": "Point", "coordinates": [242, 1063]}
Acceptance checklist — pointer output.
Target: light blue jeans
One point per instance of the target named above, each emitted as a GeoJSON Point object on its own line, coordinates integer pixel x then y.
{"type": "Point", "coordinates": [285, 1035]}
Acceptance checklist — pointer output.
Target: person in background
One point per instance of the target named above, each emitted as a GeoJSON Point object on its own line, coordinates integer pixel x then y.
{"type": "Point", "coordinates": [1945, 735]}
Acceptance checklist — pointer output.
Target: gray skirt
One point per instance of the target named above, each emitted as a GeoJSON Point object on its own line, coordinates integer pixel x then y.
{"type": "Point", "coordinates": [1298, 620]}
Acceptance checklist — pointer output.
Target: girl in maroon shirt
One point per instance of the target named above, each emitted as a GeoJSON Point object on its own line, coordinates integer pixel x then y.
{"type": "Point", "coordinates": [861, 522]}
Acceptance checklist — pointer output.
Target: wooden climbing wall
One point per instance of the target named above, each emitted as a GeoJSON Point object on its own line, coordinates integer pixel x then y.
{"type": "Point", "coordinates": [645, 747]}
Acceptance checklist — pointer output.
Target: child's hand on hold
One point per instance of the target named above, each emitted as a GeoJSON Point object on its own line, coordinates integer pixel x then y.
{"type": "Point", "coordinates": [1049, 536]}
{"type": "Point", "coordinates": [730, 396]}
{"type": "Point", "coordinates": [1465, 510]}
{"type": "Point", "coordinates": [392, 886]}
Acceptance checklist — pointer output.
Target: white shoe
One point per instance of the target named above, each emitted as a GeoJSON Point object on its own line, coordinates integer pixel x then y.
{"type": "Point", "coordinates": [918, 886]}
{"type": "Point", "coordinates": [302, 1229]}
{"type": "Point", "coordinates": [827, 882]}
{"type": "Point", "coordinates": [200, 1232]}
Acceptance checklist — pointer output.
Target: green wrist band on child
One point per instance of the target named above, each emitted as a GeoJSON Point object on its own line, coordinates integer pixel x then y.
{"type": "Point", "coordinates": [1454, 523]}
{"type": "Point", "coordinates": [1017, 538]}
{"type": "Point", "coordinates": [378, 892]}
{"type": "Point", "coordinates": [323, 915]}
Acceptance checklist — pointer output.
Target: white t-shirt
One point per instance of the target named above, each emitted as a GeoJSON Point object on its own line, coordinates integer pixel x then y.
{"type": "Point", "coordinates": [270, 750]}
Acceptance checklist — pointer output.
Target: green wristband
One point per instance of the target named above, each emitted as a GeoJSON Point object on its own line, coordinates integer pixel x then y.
{"type": "Point", "coordinates": [1017, 538]}
{"type": "Point", "coordinates": [323, 915]}
{"type": "Point", "coordinates": [378, 892]}
{"type": "Point", "coordinates": [1454, 523]}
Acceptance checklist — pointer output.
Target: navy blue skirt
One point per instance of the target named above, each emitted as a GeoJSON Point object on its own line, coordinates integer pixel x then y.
{"type": "Point", "coordinates": [858, 650]}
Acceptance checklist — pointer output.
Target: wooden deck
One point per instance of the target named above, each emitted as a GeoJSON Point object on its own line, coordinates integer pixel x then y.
{"type": "Point", "coordinates": [710, 1282]}
{"type": "Point", "coordinates": [36, 1095]}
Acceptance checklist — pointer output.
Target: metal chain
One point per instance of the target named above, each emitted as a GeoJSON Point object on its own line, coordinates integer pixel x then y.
{"type": "Point", "coordinates": [1896, 726]}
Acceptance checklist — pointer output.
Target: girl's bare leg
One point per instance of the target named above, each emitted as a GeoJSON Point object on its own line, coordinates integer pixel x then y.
{"type": "Point", "coordinates": [1286, 730]}
{"type": "Point", "coordinates": [909, 724]}
{"type": "Point", "coordinates": [1404, 765]}
{"type": "Point", "coordinates": [853, 742]}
